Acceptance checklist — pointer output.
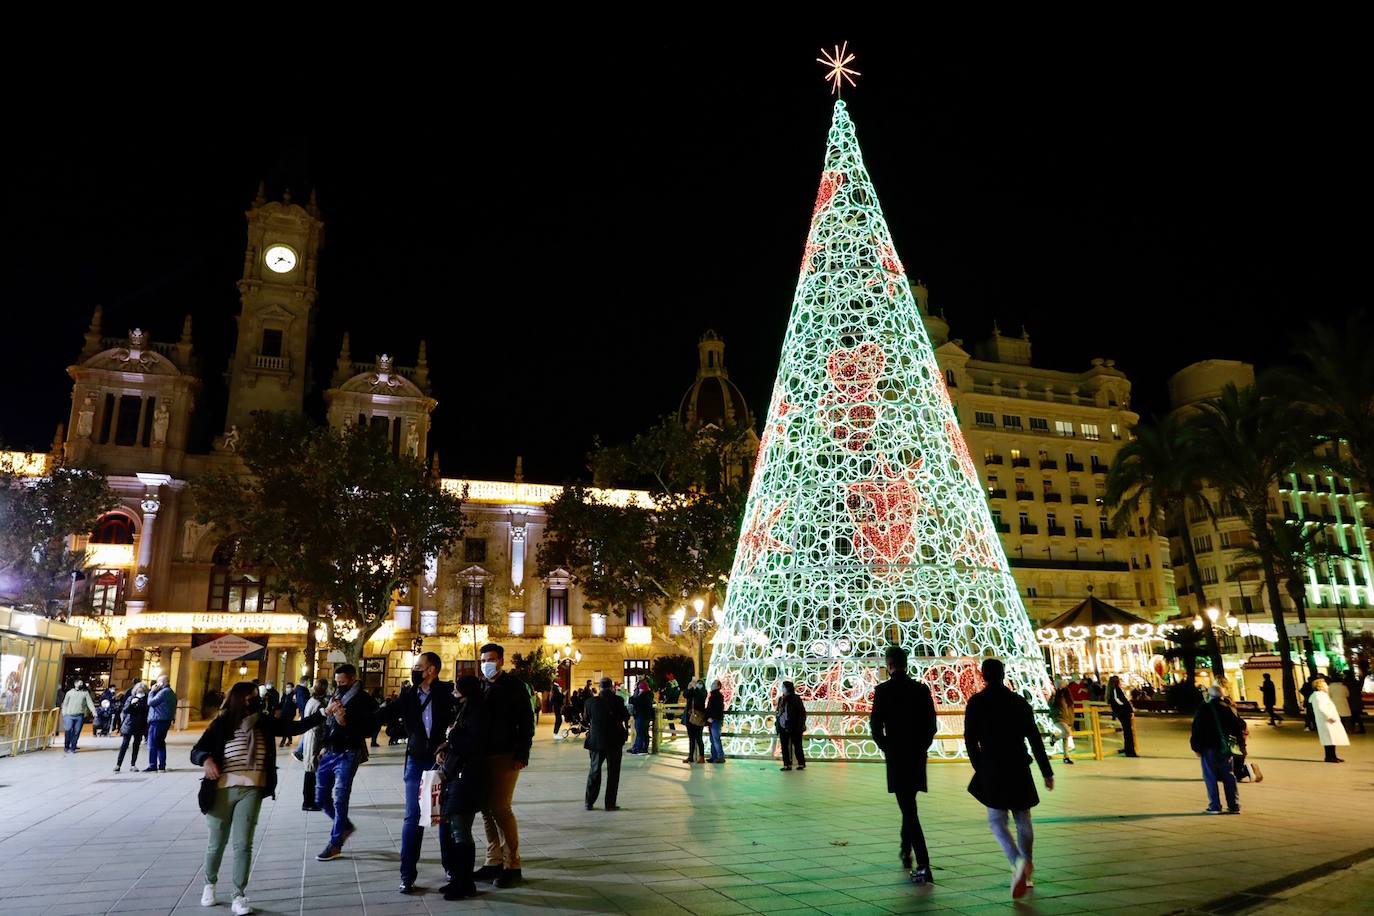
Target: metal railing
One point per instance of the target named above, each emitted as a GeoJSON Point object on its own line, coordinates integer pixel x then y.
{"type": "Point", "coordinates": [27, 730]}
{"type": "Point", "coordinates": [1088, 720]}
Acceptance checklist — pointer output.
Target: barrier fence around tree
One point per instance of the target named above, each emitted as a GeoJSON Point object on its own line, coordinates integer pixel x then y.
{"type": "Point", "coordinates": [838, 735]}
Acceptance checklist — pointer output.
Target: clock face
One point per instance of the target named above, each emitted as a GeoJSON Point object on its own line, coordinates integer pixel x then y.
{"type": "Point", "coordinates": [280, 259]}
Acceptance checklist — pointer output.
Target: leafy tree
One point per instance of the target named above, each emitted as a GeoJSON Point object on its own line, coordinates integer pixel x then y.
{"type": "Point", "coordinates": [37, 517]}
{"type": "Point", "coordinates": [535, 669]}
{"type": "Point", "coordinates": [341, 521]}
{"type": "Point", "coordinates": [680, 666]}
{"type": "Point", "coordinates": [1248, 442]}
{"type": "Point", "coordinates": [1158, 476]}
{"type": "Point", "coordinates": [680, 544]}
{"type": "Point", "coordinates": [1186, 645]}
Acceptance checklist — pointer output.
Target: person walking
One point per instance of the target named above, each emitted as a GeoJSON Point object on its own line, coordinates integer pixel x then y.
{"type": "Point", "coordinates": [1356, 692]}
{"type": "Point", "coordinates": [1269, 694]}
{"type": "Point", "coordinates": [133, 723]}
{"type": "Point", "coordinates": [74, 707]}
{"type": "Point", "coordinates": [608, 722]}
{"type": "Point", "coordinates": [162, 709]}
{"type": "Point", "coordinates": [715, 718]}
{"type": "Point", "coordinates": [427, 710]}
{"type": "Point", "coordinates": [556, 701]}
{"type": "Point", "coordinates": [642, 705]}
{"type": "Point", "coordinates": [1327, 716]}
{"type": "Point", "coordinates": [288, 708]}
{"type": "Point", "coordinates": [348, 721]}
{"type": "Point", "coordinates": [1215, 730]}
{"type": "Point", "coordinates": [1064, 711]}
{"type": "Point", "coordinates": [509, 733]}
{"type": "Point", "coordinates": [1124, 713]}
{"type": "Point", "coordinates": [998, 724]}
{"type": "Point", "coordinates": [238, 751]}
{"type": "Point", "coordinates": [312, 743]}
{"type": "Point", "coordinates": [694, 714]}
{"type": "Point", "coordinates": [903, 725]}
{"type": "Point", "coordinates": [791, 725]}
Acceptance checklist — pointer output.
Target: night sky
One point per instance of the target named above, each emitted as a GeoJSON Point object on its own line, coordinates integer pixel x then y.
{"type": "Point", "coordinates": [561, 240]}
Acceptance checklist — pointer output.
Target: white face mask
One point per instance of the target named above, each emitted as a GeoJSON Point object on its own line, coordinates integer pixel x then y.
{"type": "Point", "coordinates": [489, 669]}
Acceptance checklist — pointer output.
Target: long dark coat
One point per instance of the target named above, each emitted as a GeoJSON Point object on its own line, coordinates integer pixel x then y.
{"type": "Point", "coordinates": [464, 773]}
{"type": "Point", "coordinates": [997, 725]}
{"type": "Point", "coordinates": [903, 726]}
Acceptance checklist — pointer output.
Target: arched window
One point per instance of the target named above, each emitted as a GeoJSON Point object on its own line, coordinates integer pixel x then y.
{"type": "Point", "coordinates": [237, 586]}
{"type": "Point", "coordinates": [113, 528]}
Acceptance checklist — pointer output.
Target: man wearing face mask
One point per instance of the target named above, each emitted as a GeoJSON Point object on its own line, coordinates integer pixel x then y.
{"type": "Point", "coordinates": [509, 732]}
{"type": "Point", "coordinates": [74, 706]}
{"type": "Point", "coordinates": [427, 711]}
{"type": "Point", "coordinates": [348, 722]}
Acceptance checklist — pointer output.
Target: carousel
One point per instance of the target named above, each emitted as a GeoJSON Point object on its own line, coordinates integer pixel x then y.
{"type": "Point", "coordinates": [1094, 637]}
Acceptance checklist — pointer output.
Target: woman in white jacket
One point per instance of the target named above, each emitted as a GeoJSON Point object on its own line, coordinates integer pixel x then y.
{"type": "Point", "coordinates": [1330, 731]}
{"type": "Point", "coordinates": [310, 744]}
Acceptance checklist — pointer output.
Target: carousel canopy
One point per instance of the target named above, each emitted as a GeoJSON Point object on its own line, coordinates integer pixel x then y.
{"type": "Point", "coordinates": [1093, 612]}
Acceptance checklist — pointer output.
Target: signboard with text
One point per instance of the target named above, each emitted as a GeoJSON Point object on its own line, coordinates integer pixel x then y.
{"type": "Point", "coordinates": [227, 647]}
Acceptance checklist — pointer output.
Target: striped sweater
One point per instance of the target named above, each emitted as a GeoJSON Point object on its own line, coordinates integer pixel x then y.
{"type": "Point", "coordinates": [245, 755]}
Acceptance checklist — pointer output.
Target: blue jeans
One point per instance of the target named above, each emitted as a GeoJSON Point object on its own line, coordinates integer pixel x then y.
{"type": "Point", "coordinates": [72, 725]}
{"type": "Point", "coordinates": [333, 786]}
{"type": "Point", "coordinates": [157, 745]}
{"type": "Point", "coordinates": [1216, 765]}
{"type": "Point", "coordinates": [641, 745]}
{"type": "Point", "coordinates": [412, 831]}
{"type": "Point", "coordinates": [717, 752]}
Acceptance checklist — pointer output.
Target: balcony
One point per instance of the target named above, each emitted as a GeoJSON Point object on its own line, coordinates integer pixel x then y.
{"type": "Point", "coordinates": [1328, 518]}
{"type": "Point", "coordinates": [1053, 497]}
{"type": "Point", "coordinates": [997, 493]}
{"type": "Point", "coordinates": [1107, 533]}
{"type": "Point", "coordinates": [1073, 465]}
{"type": "Point", "coordinates": [1025, 495]}
{"type": "Point", "coordinates": [272, 363]}
{"type": "Point", "coordinates": [1091, 565]}
{"type": "Point", "coordinates": [1047, 464]}
{"type": "Point", "coordinates": [1304, 485]}
{"type": "Point", "coordinates": [1081, 532]}
{"type": "Point", "coordinates": [1002, 527]}
{"type": "Point", "coordinates": [1101, 468]}
{"type": "Point", "coordinates": [1055, 531]}
{"type": "Point", "coordinates": [1078, 499]}
{"type": "Point", "coordinates": [992, 459]}
{"type": "Point", "coordinates": [1020, 462]}
{"type": "Point", "coordinates": [1028, 528]}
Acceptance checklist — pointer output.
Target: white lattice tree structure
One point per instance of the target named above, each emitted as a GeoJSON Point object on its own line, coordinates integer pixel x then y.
{"type": "Point", "coordinates": [866, 523]}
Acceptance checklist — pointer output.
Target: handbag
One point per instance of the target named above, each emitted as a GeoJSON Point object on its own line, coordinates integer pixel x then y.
{"type": "Point", "coordinates": [431, 791]}
{"type": "Point", "coordinates": [696, 717]}
{"type": "Point", "coordinates": [206, 796]}
{"type": "Point", "coordinates": [1228, 742]}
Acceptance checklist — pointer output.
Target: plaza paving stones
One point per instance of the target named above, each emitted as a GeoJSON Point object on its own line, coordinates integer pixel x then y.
{"type": "Point", "coordinates": [1119, 836]}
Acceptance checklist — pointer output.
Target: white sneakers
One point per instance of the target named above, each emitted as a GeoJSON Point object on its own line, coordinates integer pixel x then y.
{"type": "Point", "coordinates": [207, 896]}
{"type": "Point", "coordinates": [241, 907]}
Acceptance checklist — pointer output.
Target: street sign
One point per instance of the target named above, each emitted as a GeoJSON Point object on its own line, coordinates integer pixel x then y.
{"type": "Point", "coordinates": [225, 649]}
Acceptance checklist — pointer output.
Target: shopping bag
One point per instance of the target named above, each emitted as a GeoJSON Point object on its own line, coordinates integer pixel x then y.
{"type": "Point", "coordinates": [431, 788]}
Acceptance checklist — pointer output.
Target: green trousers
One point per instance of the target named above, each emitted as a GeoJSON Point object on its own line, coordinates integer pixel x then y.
{"type": "Point", "coordinates": [235, 809]}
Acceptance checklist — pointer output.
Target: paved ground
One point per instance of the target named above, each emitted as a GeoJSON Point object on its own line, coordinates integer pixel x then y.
{"type": "Point", "coordinates": [1121, 836]}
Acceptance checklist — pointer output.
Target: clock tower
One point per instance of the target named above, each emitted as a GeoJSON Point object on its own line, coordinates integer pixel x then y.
{"type": "Point", "coordinates": [276, 314]}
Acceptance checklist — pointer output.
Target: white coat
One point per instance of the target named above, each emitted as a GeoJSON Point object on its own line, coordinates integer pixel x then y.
{"type": "Point", "coordinates": [1340, 695]}
{"type": "Point", "coordinates": [1329, 728]}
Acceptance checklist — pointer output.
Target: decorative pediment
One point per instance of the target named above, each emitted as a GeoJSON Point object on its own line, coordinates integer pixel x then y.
{"type": "Point", "coordinates": [558, 578]}
{"type": "Point", "coordinates": [383, 379]}
{"type": "Point", "coordinates": [476, 576]}
{"type": "Point", "coordinates": [132, 359]}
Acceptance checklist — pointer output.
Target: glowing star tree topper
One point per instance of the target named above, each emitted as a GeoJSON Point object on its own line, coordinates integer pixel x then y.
{"type": "Point", "coordinates": [866, 524]}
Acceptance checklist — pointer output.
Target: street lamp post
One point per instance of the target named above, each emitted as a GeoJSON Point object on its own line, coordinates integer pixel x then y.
{"type": "Point", "coordinates": [1231, 625]}
{"type": "Point", "coordinates": [698, 626]}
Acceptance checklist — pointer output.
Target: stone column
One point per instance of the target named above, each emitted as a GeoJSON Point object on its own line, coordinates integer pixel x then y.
{"type": "Point", "coordinates": [516, 605]}
{"type": "Point", "coordinates": [179, 676]}
{"type": "Point", "coordinates": [141, 585]}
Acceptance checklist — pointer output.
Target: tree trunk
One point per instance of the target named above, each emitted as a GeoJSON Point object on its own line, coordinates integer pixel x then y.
{"type": "Point", "coordinates": [1213, 647]}
{"type": "Point", "coordinates": [312, 643]}
{"type": "Point", "coordinates": [1259, 527]}
{"type": "Point", "coordinates": [1296, 591]}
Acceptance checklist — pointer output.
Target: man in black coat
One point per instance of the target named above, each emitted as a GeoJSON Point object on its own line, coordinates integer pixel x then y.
{"type": "Point", "coordinates": [348, 722]}
{"type": "Point", "coordinates": [1270, 696]}
{"type": "Point", "coordinates": [903, 726]}
{"type": "Point", "coordinates": [1215, 729]}
{"type": "Point", "coordinates": [998, 724]}
{"type": "Point", "coordinates": [607, 730]}
{"type": "Point", "coordinates": [509, 732]}
{"type": "Point", "coordinates": [427, 711]}
{"type": "Point", "coordinates": [287, 710]}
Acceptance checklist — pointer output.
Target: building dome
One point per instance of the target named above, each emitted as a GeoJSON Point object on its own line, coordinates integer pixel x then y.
{"type": "Point", "coordinates": [713, 398]}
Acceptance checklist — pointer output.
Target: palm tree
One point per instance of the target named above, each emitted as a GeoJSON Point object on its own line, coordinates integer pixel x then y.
{"type": "Point", "coordinates": [1299, 548]}
{"type": "Point", "coordinates": [1335, 381]}
{"type": "Point", "coordinates": [1157, 476]}
{"type": "Point", "coordinates": [1248, 441]}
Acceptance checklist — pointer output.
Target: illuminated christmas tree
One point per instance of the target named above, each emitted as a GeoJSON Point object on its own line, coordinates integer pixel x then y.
{"type": "Point", "coordinates": [866, 523]}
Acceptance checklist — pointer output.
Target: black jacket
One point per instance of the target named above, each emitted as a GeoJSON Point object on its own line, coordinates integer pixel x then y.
{"type": "Point", "coordinates": [693, 698]}
{"type": "Point", "coordinates": [509, 717]}
{"type": "Point", "coordinates": [407, 708]}
{"type": "Point", "coordinates": [715, 706]}
{"type": "Point", "coordinates": [1120, 703]}
{"type": "Point", "coordinates": [464, 775]}
{"type": "Point", "coordinates": [997, 726]}
{"type": "Point", "coordinates": [795, 711]}
{"type": "Point", "coordinates": [271, 700]}
{"type": "Point", "coordinates": [217, 734]}
{"type": "Point", "coordinates": [133, 718]}
{"type": "Point", "coordinates": [1270, 694]}
{"type": "Point", "coordinates": [643, 704]}
{"type": "Point", "coordinates": [360, 716]}
{"type": "Point", "coordinates": [903, 725]}
{"type": "Point", "coordinates": [607, 719]}
{"type": "Point", "coordinates": [1212, 719]}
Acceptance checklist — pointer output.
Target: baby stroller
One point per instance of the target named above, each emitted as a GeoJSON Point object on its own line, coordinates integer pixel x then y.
{"type": "Point", "coordinates": [572, 724]}
{"type": "Point", "coordinates": [104, 715]}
